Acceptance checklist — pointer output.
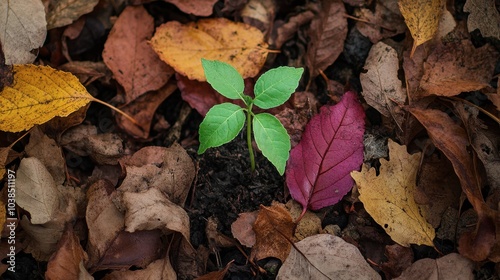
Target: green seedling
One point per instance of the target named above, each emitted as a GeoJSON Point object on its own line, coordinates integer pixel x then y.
{"type": "Point", "coordinates": [224, 122]}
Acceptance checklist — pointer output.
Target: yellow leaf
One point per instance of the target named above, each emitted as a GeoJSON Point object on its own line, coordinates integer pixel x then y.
{"type": "Point", "coordinates": [182, 46]}
{"type": "Point", "coordinates": [422, 18]}
{"type": "Point", "coordinates": [38, 94]}
{"type": "Point", "coordinates": [388, 198]}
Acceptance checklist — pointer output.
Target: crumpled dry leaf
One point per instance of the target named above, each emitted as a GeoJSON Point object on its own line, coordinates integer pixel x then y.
{"type": "Point", "coordinates": [284, 31]}
{"type": "Point", "coordinates": [458, 67]}
{"type": "Point", "coordinates": [381, 87]}
{"type": "Point", "coordinates": [422, 18]}
{"type": "Point", "coordinates": [127, 54]}
{"type": "Point", "coordinates": [170, 170]}
{"type": "Point", "coordinates": [325, 256]}
{"type": "Point", "coordinates": [87, 71]}
{"type": "Point", "coordinates": [273, 233]}
{"type": "Point", "coordinates": [183, 45]}
{"type": "Point", "coordinates": [327, 34]}
{"type": "Point", "coordinates": [309, 224]}
{"type": "Point", "coordinates": [41, 240]}
{"type": "Point", "coordinates": [83, 140]}
{"type": "Point", "coordinates": [259, 13]}
{"type": "Point", "coordinates": [143, 109]}
{"type": "Point", "coordinates": [399, 258]}
{"type": "Point", "coordinates": [49, 153]}
{"type": "Point", "coordinates": [65, 262]}
{"type": "Point", "coordinates": [23, 29]}
{"type": "Point", "coordinates": [483, 15]}
{"type": "Point", "coordinates": [388, 197]}
{"type": "Point", "coordinates": [64, 12]}
{"type": "Point", "coordinates": [242, 228]}
{"type": "Point", "coordinates": [151, 209]}
{"type": "Point", "coordinates": [450, 266]}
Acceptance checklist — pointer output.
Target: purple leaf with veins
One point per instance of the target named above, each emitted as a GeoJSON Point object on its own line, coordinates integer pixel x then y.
{"type": "Point", "coordinates": [318, 171]}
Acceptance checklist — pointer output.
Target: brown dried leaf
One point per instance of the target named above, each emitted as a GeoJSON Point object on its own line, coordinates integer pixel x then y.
{"type": "Point", "coordinates": [323, 257]}
{"type": "Point", "coordinates": [133, 62]}
{"type": "Point", "coordinates": [385, 22]}
{"type": "Point", "coordinates": [201, 8]}
{"type": "Point", "coordinates": [242, 228]}
{"type": "Point", "coordinates": [381, 87]}
{"type": "Point", "coordinates": [483, 15]}
{"type": "Point", "coordinates": [399, 258]}
{"type": "Point", "coordinates": [327, 34]}
{"type": "Point", "coordinates": [451, 266]}
{"type": "Point", "coordinates": [273, 232]}
{"type": "Point", "coordinates": [159, 269]}
{"type": "Point", "coordinates": [64, 12]}
{"type": "Point", "coordinates": [260, 13]}
{"type": "Point", "coordinates": [65, 262]}
{"type": "Point", "coordinates": [143, 109]}
{"type": "Point", "coordinates": [86, 71]}
{"type": "Point", "coordinates": [458, 67]}
{"type": "Point", "coordinates": [216, 275]}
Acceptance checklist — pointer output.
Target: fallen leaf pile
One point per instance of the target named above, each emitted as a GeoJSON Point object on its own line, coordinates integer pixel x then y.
{"type": "Point", "coordinates": [393, 171]}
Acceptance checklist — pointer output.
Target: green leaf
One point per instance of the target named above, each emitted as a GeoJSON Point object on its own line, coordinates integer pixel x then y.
{"type": "Point", "coordinates": [224, 78]}
{"type": "Point", "coordinates": [221, 124]}
{"type": "Point", "coordinates": [275, 86]}
{"type": "Point", "coordinates": [272, 139]}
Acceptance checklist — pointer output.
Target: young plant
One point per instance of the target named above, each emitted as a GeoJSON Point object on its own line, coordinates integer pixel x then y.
{"type": "Point", "coordinates": [224, 122]}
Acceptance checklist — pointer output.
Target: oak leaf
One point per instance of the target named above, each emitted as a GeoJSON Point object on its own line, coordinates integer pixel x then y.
{"type": "Point", "coordinates": [38, 94]}
{"type": "Point", "coordinates": [422, 18]}
{"type": "Point", "coordinates": [388, 197]}
{"type": "Point", "coordinates": [183, 45]}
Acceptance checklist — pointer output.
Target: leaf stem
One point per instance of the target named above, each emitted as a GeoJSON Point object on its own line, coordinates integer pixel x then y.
{"type": "Point", "coordinates": [249, 137]}
{"type": "Point", "coordinates": [125, 115]}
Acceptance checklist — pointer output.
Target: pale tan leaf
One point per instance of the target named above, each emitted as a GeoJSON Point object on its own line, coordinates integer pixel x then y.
{"type": "Point", "coordinates": [483, 15]}
{"type": "Point", "coordinates": [65, 12]}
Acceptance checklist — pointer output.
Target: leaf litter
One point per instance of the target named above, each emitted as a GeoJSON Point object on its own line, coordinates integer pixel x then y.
{"type": "Point", "coordinates": [425, 78]}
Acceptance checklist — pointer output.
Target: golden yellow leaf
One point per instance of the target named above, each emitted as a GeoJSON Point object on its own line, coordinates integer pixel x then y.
{"type": "Point", "coordinates": [388, 198]}
{"type": "Point", "coordinates": [422, 18]}
{"type": "Point", "coordinates": [183, 45]}
{"type": "Point", "coordinates": [38, 94]}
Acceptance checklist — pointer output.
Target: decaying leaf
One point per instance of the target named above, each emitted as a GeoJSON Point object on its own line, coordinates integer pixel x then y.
{"type": "Point", "coordinates": [65, 263]}
{"type": "Point", "coordinates": [384, 22]}
{"type": "Point", "coordinates": [422, 18]}
{"type": "Point", "coordinates": [242, 228]}
{"type": "Point", "coordinates": [38, 94]}
{"type": "Point", "coordinates": [127, 54]}
{"type": "Point", "coordinates": [159, 269]}
{"type": "Point", "coordinates": [381, 87]}
{"type": "Point", "coordinates": [388, 197]}
{"type": "Point", "coordinates": [483, 15]}
{"type": "Point", "coordinates": [323, 257]}
{"type": "Point", "coordinates": [458, 67]}
{"type": "Point", "coordinates": [327, 34]}
{"type": "Point", "coordinates": [318, 170]}
{"type": "Point", "coordinates": [64, 12]}
{"type": "Point", "coordinates": [451, 266]}
{"type": "Point", "coordinates": [183, 45]}
{"type": "Point", "coordinates": [23, 29]}
{"type": "Point", "coordinates": [273, 233]}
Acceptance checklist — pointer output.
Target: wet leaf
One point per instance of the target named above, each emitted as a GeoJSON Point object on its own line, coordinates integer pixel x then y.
{"type": "Point", "coordinates": [422, 18]}
{"type": "Point", "coordinates": [127, 54]}
{"type": "Point", "coordinates": [388, 197]}
{"type": "Point", "coordinates": [327, 34]}
{"type": "Point", "coordinates": [273, 233]}
{"type": "Point", "coordinates": [325, 256]}
{"type": "Point", "coordinates": [38, 94]}
{"type": "Point", "coordinates": [65, 12]}
{"type": "Point", "coordinates": [183, 46]}
{"type": "Point", "coordinates": [331, 147]}
{"type": "Point", "coordinates": [23, 29]}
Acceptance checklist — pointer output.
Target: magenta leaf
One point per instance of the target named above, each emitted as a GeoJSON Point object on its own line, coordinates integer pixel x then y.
{"type": "Point", "coordinates": [318, 171]}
